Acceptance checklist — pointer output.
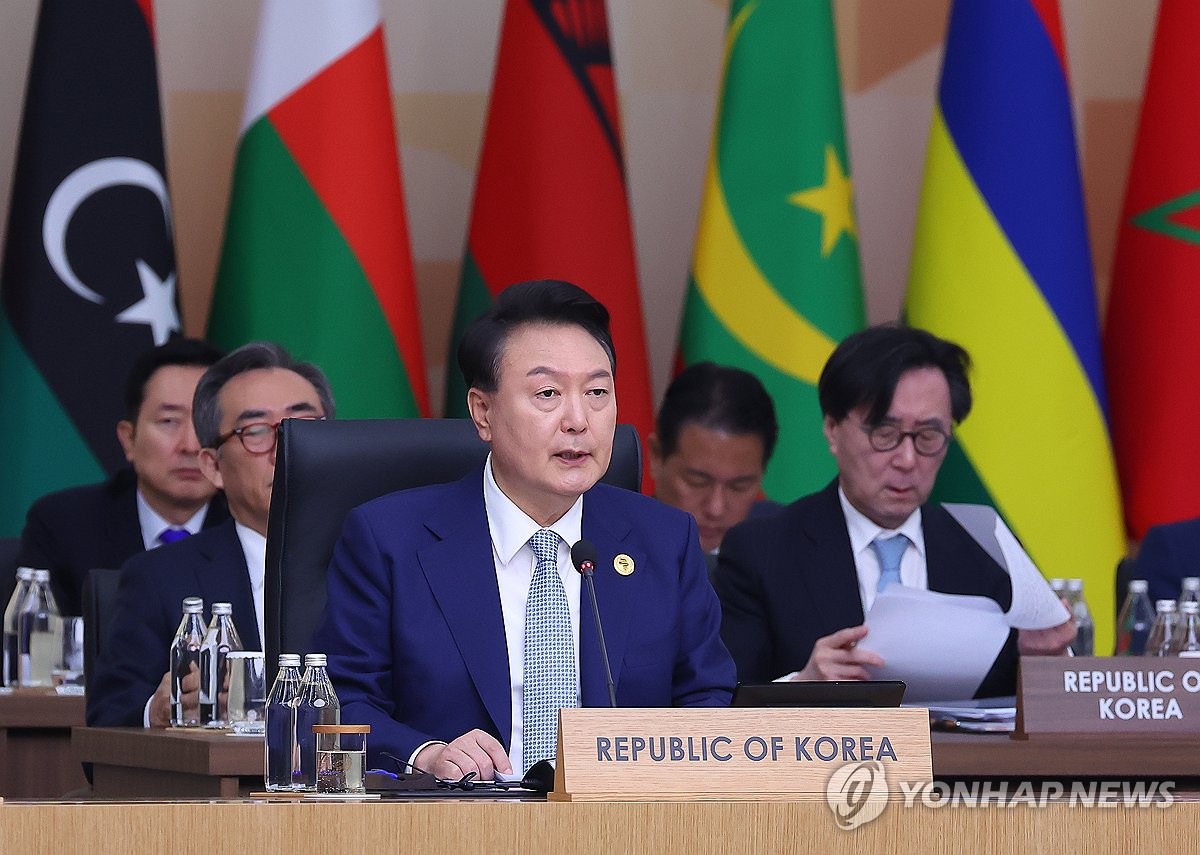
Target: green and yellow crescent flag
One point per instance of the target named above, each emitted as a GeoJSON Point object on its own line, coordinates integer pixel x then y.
{"type": "Point", "coordinates": [775, 278]}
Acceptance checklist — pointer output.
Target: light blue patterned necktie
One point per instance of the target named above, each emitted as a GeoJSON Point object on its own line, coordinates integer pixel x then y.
{"type": "Point", "coordinates": [889, 552]}
{"type": "Point", "coordinates": [549, 669]}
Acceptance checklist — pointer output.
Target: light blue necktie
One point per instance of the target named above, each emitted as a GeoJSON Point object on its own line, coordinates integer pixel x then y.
{"type": "Point", "coordinates": [549, 668]}
{"type": "Point", "coordinates": [889, 552]}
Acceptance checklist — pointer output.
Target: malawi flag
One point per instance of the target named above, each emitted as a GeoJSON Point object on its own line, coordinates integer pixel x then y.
{"type": "Point", "coordinates": [88, 280]}
{"type": "Point", "coordinates": [775, 279]}
{"type": "Point", "coordinates": [1001, 265]}
{"type": "Point", "coordinates": [1151, 342]}
{"type": "Point", "coordinates": [550, 199]}
{"type": "Point", "coordinates": [316, 253]}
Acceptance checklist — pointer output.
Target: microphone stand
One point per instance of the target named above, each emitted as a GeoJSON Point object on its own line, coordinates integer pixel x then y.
{"type": "Point", "coordinates": [586, 569]}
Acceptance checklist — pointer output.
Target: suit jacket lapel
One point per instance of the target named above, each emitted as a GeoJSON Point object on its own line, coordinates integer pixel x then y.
{"type": "Point", "coordinates": [461, 573]}
{"type": "Point", "coordinates": [222, 573]}
{"type": "Point", "coordinates": [606, 526]}
{"type": "Point", "coordinates": [831, 575]}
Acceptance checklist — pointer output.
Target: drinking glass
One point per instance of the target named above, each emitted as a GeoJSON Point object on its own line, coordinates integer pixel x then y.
{"type": "Point", "coordinates": [247, 692]}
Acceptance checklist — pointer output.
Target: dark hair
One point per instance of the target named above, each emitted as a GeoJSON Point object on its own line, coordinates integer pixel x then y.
{"type": "Point", "coordinates": [717, 397]}
{"type": "Point", "coordinates": [866, 366]}
{"type": "Point", "coordinates": [541, 301]}
{"type": "Point", "coordinates": [206, 411]}
{"type": "Point", "coordinates": [175, 351]}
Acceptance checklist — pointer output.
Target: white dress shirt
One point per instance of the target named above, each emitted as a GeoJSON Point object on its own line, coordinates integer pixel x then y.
{"type": "Point", "coordinates": [510, 530]}
{"type": "Point", "coordinates": [153, 523]}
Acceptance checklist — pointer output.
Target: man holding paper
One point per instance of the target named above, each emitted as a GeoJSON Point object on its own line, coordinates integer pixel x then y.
{"type": "Point", "coordinates": [795, 587]}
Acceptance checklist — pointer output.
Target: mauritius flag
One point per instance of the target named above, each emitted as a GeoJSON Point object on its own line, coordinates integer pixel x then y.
{"type": "Point", "coordinates": [88, 281]}
{"type": "Point", "coordinates": [316, 253]}
{"type": "Point", "coordinates": [775, 277]}
{"type": "Point", "coordinates": [1151, 344]}
{"type": "Point", "coordinates": [1001, 265]}
{"type": "Point", "coordinates": [550, 199]}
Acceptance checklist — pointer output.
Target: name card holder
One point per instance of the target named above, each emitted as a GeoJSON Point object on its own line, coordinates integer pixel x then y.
{"type": "Point", "coordinates": [734, 753]}
{"type": "Point", "coordinates": [1108, 694]}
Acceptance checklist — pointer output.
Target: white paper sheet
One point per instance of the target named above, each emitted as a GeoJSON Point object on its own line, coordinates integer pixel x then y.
{"type": "Point", "coordinates": [941, 645]}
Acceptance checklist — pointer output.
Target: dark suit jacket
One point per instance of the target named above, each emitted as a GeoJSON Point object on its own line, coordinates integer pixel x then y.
{"type": "Point", "coordinates": [148, 608]}
{"type": "Point", "coordinates": [789, 579]}
{"type": "Point", "coordinates": [96, 525]}
{"type": "Point", "coordinates": [1168, 554]}
{"type": "Point", "coordinates": [415, 634]}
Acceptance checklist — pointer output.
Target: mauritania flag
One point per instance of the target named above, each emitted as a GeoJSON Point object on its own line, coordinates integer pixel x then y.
{"type": "Point", "coordinates": [88, 280]}
{"type": "Point", "coordinates": [1152, 345]}
{"type": "Point", "coordinates": [775, 278]}
{"type": "Point", "coordinates": [1001, 265]}
{"type": "Point", "coordinates": [550, 198]}
{"type": "Point", "coordinates": [316, 253]}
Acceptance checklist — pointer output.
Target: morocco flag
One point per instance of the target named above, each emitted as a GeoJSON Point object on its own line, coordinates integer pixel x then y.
{"type": "Point", "coordinates": [316, 253]}
{"type": "Point", "coordinates": [550, 199]}
{"type": "Point", "coordinates": [1151, 345]}
{"type": "Point", "coordinates": [88, 280]}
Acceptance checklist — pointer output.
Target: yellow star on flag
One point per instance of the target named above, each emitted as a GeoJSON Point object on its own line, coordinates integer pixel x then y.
{"type": "Point", "coordinates": [832, 200]}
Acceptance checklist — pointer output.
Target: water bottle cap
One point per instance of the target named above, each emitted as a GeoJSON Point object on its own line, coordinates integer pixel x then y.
{"type": "Point", "coordinates": [289, 660]}
{"type": "Point", "coordinates": [222, 608]}
{"type": "Point", "coordinates": [1057, 583]}
{"type": "Point", "coordinates": [41, 575]}
{"type": "Point", "coordinates": [1191, 583]}
{"type": "Point", "coordinates": [311, 659]}
{"type": "Point", "coordinates": [25, 574]}
{"type": "Point", "coordinates": [1164, 605]}
{"type": "Point", "coordinates": [193, 606]}
{"type": "Point", "coordinates": [1138, 586]}
{"type": "Point", "coordinates": [1074, 584]}
{"type": "Point", "coordinates": [1191, 607]}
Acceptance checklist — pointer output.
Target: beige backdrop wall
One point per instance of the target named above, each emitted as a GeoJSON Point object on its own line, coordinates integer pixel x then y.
{"type": "Point", "coordinates": [667, 54]}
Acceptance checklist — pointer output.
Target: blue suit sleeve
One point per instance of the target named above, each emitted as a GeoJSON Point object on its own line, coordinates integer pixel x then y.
{"type": "Point", "coordinates": [356, 634]}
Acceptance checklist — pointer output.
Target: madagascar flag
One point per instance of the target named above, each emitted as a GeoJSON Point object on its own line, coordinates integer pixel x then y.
{"type": "Point", "coordinates": [1152, 347]}
{"type": "Point", "coordinates": [1001, 265]}
{"type": "Point", "coordinates": [550, 199]}
{"type": "Point", "coordinates": [88, 281]}
{"type": "Point", "coordinates": [316, 253]}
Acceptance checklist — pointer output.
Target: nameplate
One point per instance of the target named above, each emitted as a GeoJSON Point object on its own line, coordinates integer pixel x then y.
{"type": "Point", "coordinates": [1108, 694]}
{"type": "Point", "coordinates": [738, 753]}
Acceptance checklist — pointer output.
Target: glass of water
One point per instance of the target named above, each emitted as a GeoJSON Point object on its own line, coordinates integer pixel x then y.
{"type": "Point", "coordinates": [341, 758]}
{"type": "Point", "coordinates": [68, 667]}
{"type": "Point", "coordinates": [247, 705]}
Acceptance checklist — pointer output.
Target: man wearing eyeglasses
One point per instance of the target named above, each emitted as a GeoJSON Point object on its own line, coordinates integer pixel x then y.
{"type": "Point", "coordinates": [239, 404]}
{"type": "Point", "coordinates": [795, 587]}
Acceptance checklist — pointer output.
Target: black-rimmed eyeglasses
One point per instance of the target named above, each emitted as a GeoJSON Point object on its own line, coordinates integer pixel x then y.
{"type": "Point", "coordinates": [927, 441]}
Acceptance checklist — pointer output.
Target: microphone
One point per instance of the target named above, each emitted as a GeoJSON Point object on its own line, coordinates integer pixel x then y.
{"type": "Point", "coordinates": [583, 556]}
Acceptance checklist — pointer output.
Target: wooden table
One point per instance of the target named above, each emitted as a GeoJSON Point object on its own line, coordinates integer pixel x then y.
{"type": "Point", "coordinates": [138, 763]}
{"type": "Point", "coordinates": [36, 760]}
{"type": "Point", "coordinates": [454, 827]}
{"type": "Point", "coordinates": [175, 763]}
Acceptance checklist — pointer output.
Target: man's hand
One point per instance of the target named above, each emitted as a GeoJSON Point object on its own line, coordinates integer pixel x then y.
{"type": "Point", "coordinates": [477, 752]}
{"type": "Point", "coordinates": [838, 657]}
{"type": "Point", "coordinates": [1053, 641]}
{"type": "Point", "coordinates": [160, 703]}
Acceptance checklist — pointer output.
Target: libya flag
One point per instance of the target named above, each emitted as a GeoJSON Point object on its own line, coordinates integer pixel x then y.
{"type": "Point", "coordinates": [550, 199]}
{"type": "Point", "coordinates": [88, 278]}
{"type": "Point", "coordinates": [1151, 347]}
{"type": "Point", "coordinates": [316, 254]}
{"type": "Point", "coordinates": [775, 278]}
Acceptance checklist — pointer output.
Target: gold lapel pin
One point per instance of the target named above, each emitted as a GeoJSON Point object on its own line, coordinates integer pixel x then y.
{"type": "Point", "coordinates": [623, 564]}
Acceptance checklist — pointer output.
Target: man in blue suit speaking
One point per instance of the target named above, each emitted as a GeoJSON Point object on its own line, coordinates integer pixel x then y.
{"type": "Point", "coordinates": [454, 624]}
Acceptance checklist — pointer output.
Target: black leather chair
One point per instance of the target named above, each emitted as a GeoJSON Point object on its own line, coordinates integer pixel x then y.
{"type": "Point", "coordinates": [323, 469]}
{"type": "Point", "coordinates": [99, 599]}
